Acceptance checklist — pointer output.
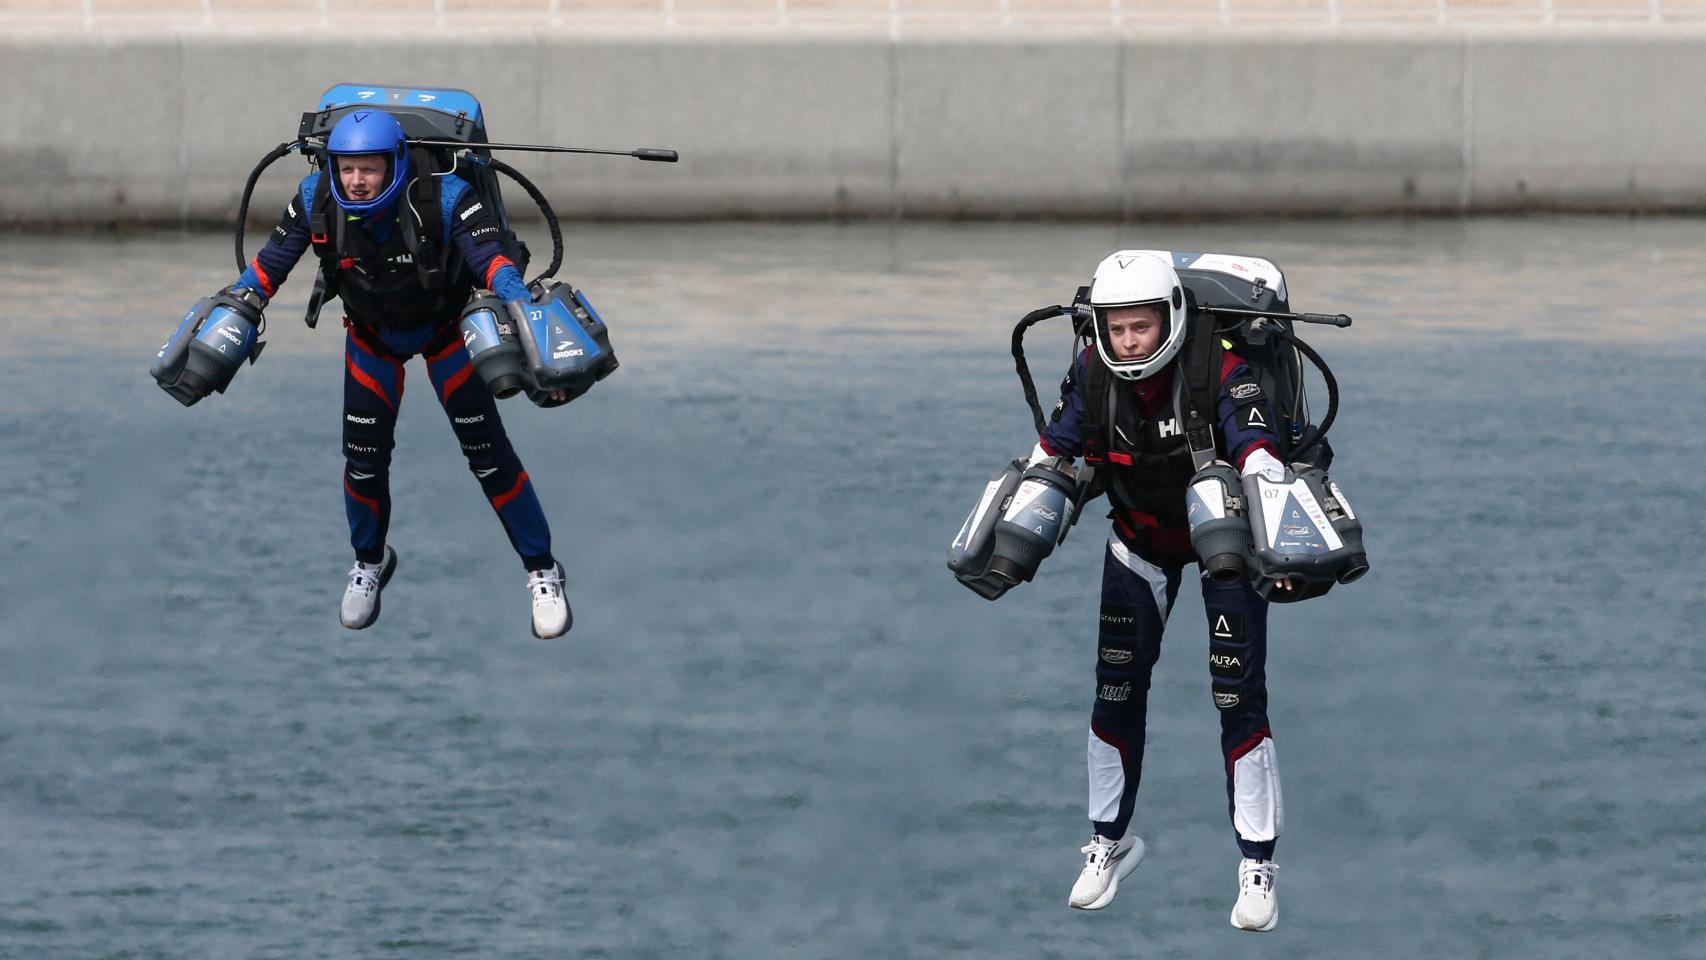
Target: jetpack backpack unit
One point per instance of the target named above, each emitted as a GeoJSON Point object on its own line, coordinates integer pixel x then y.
{"type": "Point", "coordinates": [446, 134]}
{"type": "Point", "coordinates": [1299, 531]}
{"type": "Point", "coordinates": [433, 120]}
{"type": "Point", "coordinates": [446, 131]}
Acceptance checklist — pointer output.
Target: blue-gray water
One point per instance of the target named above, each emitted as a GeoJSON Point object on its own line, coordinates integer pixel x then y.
{"type": "Point", "coordinates": [779, 728]}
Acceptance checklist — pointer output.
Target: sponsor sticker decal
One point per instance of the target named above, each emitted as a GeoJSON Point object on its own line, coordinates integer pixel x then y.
{"type": "Point", "coordinates": [1119, 624]}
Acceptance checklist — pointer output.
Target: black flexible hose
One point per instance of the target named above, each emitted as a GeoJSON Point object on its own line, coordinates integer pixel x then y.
{"type": "Point", "coordinates": [1309, 440]}
{"type": "Point", "coordinates": [1030, 320]}
{"type": "Point", "coordinates": [544, 207]}
{"type": "Point", "coordinates": [249, 189]}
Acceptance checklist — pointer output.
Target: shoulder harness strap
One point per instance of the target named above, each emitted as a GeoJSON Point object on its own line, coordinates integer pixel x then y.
{"type": "Point", "coordinates": [423, 233]}
{"type": "Point", "coordinates": [1106, 398]}
{"type": "Point", "coordinates": [1202, 380]}
{"type": "Point", "coordinates": [1100, 408]}
{"type": "Point", "coordinates": [320, 219]}
{"type": "Point", "coordinates": [326, 227]}
{"type": "Point", "coordinates": [325, 236]}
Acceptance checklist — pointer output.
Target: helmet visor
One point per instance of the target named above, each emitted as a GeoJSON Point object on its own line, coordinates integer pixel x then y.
{"type": "Point", "coordinates": [360, 179]}
{"type": "Point", "coordinates": [1132, 333]}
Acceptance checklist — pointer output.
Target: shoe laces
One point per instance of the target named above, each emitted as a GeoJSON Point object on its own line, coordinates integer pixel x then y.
{"type": "Point", "coordinates": [364, 578]}
{"type": "Point", "coordinates": [1257, 875]}
{"type": "Point", "coordinates": [545, 584]}
{"type": "Point", "coordinates": [1098, 850]}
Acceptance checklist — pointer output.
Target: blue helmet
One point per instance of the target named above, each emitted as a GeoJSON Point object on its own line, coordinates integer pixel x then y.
{"type": "Point", "coordinates": [369, 132]}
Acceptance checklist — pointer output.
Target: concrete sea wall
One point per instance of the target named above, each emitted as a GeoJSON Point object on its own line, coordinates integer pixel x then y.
{"type": "Point", "coordinates": [137, 125]}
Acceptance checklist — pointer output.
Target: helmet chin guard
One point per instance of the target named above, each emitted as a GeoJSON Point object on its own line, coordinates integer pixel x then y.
{"type": "Point", "coordinates": [1131, 278]}
{"type": "Point", "coordinates": [367, 132]}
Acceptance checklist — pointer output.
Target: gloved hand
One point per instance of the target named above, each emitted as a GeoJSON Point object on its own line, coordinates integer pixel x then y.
{"type": "Point", "coordinates": [551, 398]}
{"type": "Point", "coordinates": [507, 284]}
{"type": "Point", "coordinates": [1262, 462]}
{"type": "Point", "coordinates": [1038, 455]}
{"type": "Point", "coordinates": [250, 294]}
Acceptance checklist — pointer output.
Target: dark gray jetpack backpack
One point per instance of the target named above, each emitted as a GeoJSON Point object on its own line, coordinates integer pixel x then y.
{"type": "Point", "coordinates": [1240, 304]}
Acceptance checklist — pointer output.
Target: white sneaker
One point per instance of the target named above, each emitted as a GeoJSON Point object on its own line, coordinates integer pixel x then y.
{"type": "Point", "coordinates": [1257, 908]}
{"type": "Point", "coordinates": [551, 617]}
{"type": "Point", "coordinates": [1106, 862]}
{"type": "Point", "coordinates": [361, 598]}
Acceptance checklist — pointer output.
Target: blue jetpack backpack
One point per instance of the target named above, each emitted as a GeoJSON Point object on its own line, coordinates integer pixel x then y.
{"type": "Point", "coordinates": [446, 134]}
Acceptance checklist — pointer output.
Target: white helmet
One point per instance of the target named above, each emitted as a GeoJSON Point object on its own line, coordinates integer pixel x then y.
{"type": "Point", "coordinates": [1129, 278]}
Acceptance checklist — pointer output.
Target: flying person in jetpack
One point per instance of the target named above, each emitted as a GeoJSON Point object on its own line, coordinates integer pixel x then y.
{"type": "Point", "coordinates": [1118, 410]}
{"type": "Point", "coordinates": [403, 213]}
{"type": "Point", "coordinates": [1166, 435]}
{"type": "Point", "coordinates": [359, 217]}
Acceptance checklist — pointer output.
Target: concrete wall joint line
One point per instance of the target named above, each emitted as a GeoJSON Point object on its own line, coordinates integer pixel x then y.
{"type": "Point", "coordinates": [1466, 184]}
{"type": "Point", "coordinates": [182, 97]}
{"type": "Point", "coordinates": [893, 45]}
{"type": "Point", "coordinates": [540, 98]}
{"type": "Point", "coordinates": [1125, 164]}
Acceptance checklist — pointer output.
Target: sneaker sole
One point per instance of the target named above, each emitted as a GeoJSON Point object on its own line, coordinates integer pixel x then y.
{"type": "Point", "coordinates": [552, 636]}
{"type": "Point", "coordinates": [1127, 864]}
{"type": "Point", "coordinates": [384, 578]}
{"type": "Point", "coordinates": [1268, 927]}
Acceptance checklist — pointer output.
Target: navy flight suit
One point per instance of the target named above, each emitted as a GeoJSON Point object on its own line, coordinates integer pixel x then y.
{"type": "Point", "coordinates": [374, 353]}
{"type": "Point", "coordinates": [1141, 571]}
